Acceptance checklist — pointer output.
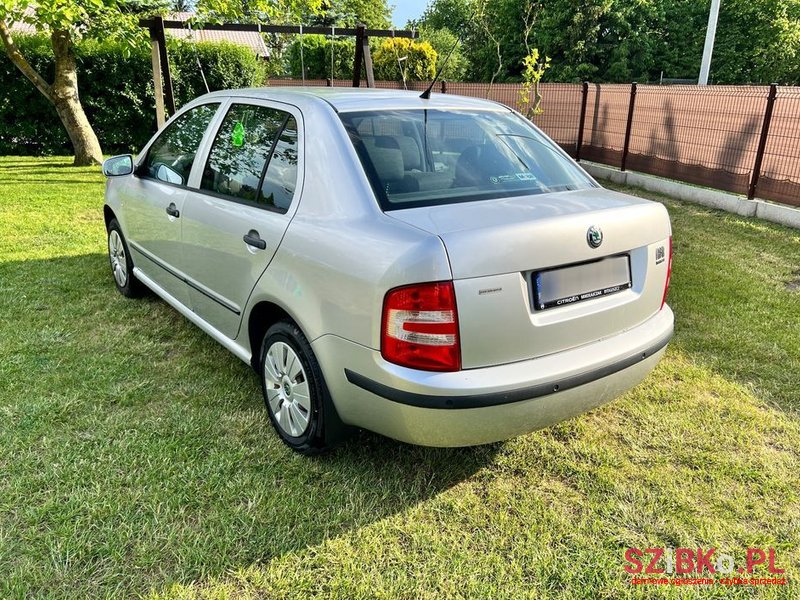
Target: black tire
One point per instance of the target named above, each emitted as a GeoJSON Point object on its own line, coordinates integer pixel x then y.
{"type": "Point", "coordinates": [323, 429]}
{"type": "Point", "coordinates": [118, 252]}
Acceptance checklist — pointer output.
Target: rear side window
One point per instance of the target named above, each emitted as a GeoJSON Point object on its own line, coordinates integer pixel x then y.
{"type": "Point", "coordinates": [171, 156]}
{"type": "Point", "coordinates": [426, 157]}
{"type": "Point", "coordinates": [280, 179]}
{"type": "Point", "coordinates": [241, 150]}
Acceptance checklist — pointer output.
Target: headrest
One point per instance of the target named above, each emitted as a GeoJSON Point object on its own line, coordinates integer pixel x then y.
{"type": "Point", "coordinates": [388, 163]}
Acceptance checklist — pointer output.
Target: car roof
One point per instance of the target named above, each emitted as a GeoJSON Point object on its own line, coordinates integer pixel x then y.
{"type": "Point", "coordinates": [349, 99]}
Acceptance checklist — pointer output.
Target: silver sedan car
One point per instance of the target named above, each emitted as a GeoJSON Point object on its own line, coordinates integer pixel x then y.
{"type": "Point", "coordinates": [435, 270]}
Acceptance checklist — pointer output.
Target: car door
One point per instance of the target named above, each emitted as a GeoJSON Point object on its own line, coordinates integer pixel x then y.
{"type": "Point", "coordinates": [236, 215]}
{"type": "Point", "coordinates": [153, 199]}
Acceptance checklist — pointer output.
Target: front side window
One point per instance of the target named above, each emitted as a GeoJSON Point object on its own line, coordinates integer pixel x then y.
{"type": "Point", "coordinates": [171, 156]}
{"type": "Point", "coordinates": [431, 156]}
{"type": "Point", "coordinates": [241, 150]}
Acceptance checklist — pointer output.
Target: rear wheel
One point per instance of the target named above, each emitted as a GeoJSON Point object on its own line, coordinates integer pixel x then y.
{"type": "Point", "coordinates": [297, 399]}
{"type": "Point", "coordinates": [121, 264]}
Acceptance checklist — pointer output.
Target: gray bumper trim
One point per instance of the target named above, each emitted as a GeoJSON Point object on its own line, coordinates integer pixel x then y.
{"type": "Point", "coordinates": [497, 398]}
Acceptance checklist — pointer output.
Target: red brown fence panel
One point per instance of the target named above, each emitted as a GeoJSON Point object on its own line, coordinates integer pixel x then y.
{"type": "Point", "coordinates": [560, 113]}
{"type": "Point", "coordinates": [606, 117]}
{"type": "Point", "coordinates": [780, 170]}
{"type": "Point", "coordinates": [704, 135]}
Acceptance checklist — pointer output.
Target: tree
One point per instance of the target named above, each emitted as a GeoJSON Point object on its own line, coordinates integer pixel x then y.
{"type": "Point", "coordinates": [453, 15]}
{"type": "Point", "coordinates": [758, 41]}
{"type": "Point", "coordinates": [492, 37]}
{"type": "Point", "coordinates": [533, 70]}
{"type": "Point", "coordinates": [443, 41]}
{"type": "Point", "coordinates": [182, 5]}
{"type": "Point", "coordinates": [66, 21]}
{"type": "Point", "coordinates": [349, 13]}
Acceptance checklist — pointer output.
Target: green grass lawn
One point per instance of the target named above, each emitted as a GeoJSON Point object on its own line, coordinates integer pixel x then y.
{"type": "Point", "coordinates": [136, 458]}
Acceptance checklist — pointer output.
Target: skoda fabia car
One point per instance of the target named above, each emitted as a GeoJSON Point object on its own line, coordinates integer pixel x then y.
{"type": "Point", "coordinates": [434, 270]}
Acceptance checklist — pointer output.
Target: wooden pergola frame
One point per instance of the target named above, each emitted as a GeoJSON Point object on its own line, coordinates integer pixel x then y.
{"type": "Point", "coordinates": [162, 79]}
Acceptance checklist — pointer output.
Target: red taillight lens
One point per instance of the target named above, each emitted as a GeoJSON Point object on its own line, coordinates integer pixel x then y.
{"type": "Point", "coordinates": [669, 275]}
{"type": "Point", "coordinates": [420, 327]}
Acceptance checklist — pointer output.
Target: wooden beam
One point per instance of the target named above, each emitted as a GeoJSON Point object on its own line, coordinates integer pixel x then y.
{"type": "Point", "coordinates": [359, 57]}
{"type": "Point", "coordinates": [169, 24]}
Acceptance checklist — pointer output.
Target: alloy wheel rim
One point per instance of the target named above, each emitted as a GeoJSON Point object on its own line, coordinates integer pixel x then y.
{"type": "Point", "coordinates": [119, 264]}
{"type": "Point", "coordinates": [287, 388]}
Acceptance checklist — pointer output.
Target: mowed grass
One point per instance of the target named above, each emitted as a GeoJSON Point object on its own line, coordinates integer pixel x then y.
{"type": "Point", "coordinates": [136, 458]}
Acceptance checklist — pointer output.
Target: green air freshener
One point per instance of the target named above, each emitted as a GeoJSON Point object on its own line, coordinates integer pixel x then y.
{"type": "Point", "coordinates": [237, 137]}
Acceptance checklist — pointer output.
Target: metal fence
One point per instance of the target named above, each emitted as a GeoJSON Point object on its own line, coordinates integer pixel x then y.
{"type": "Point", "coordinates": [743, 139]}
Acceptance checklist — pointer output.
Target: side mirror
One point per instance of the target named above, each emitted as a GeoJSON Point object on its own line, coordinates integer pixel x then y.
{"type": "Point", "coordinates": [117, 166]}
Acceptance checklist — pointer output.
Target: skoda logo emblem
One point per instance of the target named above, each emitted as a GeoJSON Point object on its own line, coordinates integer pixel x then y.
{"type": "Point", "coordinates": [594, 236]}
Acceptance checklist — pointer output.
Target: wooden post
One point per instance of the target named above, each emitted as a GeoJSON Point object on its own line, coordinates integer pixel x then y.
{"type": "Point", "coordinates": [359, 58]}
{"type": "Point", "coordinates": [158, 88]}
{"type": "Point", "coordinates": [162, 49]}
{"type": "Point", "coordinates": [367, 60]}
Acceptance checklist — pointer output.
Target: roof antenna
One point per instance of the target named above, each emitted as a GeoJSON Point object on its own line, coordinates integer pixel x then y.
{"type": "Point", "coordinates": [427, 93]}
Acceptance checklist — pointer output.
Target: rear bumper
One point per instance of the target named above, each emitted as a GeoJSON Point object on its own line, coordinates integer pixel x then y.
{"type": "Point", "coordinates": [478, 406]}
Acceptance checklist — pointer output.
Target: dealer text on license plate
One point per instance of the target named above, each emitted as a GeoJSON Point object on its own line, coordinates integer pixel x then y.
{"type": "Point", "coordinates": [568, 285]}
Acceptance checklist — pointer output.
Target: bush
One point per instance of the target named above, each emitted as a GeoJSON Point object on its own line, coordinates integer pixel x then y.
{"type": "Point", "coordinates": [317, 57]}
{"type": "Point", "coordinates": [225, 65]}
{"type": "Point", "coordinates": [116, 88]}
{"type": "Point", "coordinates": [419, 64]}
{"type": "Point", "coordinates": [28, 122]}
{"type": "Point", "coordinates": [443, 42]}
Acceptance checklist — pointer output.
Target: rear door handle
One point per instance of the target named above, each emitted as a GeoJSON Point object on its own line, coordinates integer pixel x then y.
{"type": "Point", "coordinates": [252, 238]}
{"type": "Point", "coordinates": [173, 211]}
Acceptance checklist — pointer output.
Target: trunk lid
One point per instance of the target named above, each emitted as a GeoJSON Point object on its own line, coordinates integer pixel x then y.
{"type": "Point", "coordinates": [497, 248]}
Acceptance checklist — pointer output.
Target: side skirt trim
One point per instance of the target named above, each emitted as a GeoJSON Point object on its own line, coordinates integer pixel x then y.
{"type": "Point", "coordinates": [224, 340]}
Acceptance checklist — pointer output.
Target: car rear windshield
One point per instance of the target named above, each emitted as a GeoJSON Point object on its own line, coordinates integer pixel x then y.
{"type": "Point", "coordinates": [427, 157]}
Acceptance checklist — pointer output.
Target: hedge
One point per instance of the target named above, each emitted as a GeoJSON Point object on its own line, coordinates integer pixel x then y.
{"type": "Point", "coordinates": [420, 63]}
{"type": "Point", "coordinates": [317, 57]}
{"type": "Point", "coordinates": [116, 88]}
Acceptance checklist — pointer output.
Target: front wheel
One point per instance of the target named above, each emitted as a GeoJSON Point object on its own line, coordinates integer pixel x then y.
{"type": "Point", "coordinates": [297, 399]}
{"type": "Point", "coordinates": [121, 263]}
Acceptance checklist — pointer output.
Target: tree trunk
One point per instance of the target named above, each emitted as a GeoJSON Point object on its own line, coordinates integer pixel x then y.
{"type": "Point", "coordinates": [64, 93]}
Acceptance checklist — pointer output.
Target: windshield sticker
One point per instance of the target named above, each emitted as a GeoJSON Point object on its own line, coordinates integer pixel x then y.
{"type": "Point", "coordinates": [502, 178]}
{"type": "Point", "coordinates": [526, 176]}
{"type": "Point", "coordinates": [237, 137]}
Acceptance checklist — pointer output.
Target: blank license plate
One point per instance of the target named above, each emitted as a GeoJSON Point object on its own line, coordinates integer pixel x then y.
{"type": "Point", "coordinates": [569, 285]}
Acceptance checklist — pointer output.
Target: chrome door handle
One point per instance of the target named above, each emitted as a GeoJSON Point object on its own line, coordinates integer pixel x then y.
{"type": "Point", "coordinates": [251, 238]}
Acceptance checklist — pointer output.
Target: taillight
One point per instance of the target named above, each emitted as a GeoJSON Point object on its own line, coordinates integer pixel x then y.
{"type": "Point", "coordinates": [420, 327]}
{"type": "Point", "coordinates": [669, 275]}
